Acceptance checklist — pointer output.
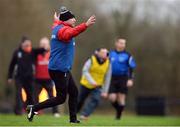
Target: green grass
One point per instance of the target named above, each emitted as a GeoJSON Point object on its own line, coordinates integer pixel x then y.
{"type": "Point", "coordinates": [95, 120]}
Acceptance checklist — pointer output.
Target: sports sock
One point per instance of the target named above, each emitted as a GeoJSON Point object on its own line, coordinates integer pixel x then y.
{"type": "Point", "coordinates": [119, 111]}
{"type": "Point", "coordinates": [115, 105]}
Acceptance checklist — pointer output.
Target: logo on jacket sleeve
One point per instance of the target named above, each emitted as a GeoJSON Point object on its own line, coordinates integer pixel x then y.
{"type": "Point", "coordinates": [53, 36]}
{"type": "Point", "coordinates": [112, 59]}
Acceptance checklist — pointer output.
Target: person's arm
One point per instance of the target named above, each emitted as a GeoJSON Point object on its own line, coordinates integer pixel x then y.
{"type": "Point", "coordinates": [38, 51]}
{"type": "Point", "coordinates": [131, 73]}
{"type": "Point", "coordinates": [86, 73]}
{"type": "Point", "coordinates": [12, 65]}
{"type": "Point", "coordinates": [67, 32]}
{"type": "Point", "coordinates": [107, 80]}
{"type": "Point", "coordinates": [132, 66]}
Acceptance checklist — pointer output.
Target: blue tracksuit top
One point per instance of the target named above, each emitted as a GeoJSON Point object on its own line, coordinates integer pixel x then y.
{"type": "Point", "coordinates": [121, 62]}
{"type": "Point", "coordinates": [62, 53]}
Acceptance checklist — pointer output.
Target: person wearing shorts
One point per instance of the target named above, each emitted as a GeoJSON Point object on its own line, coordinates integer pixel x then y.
{"type": "Point", "coordinates": [123, 65]}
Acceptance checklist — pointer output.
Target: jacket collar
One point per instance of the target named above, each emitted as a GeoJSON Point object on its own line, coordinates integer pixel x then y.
{"type": "Point", "coordinates": [119, 51]}
{"type": "Point", "coordinates": [63, 23]}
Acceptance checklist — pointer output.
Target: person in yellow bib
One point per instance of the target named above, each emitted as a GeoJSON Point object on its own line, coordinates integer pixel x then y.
{"type": "Point", "coordinates": [95, 81]}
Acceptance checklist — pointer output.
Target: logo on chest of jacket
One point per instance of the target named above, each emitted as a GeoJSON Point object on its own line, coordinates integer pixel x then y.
{"type": "Point", "coordinates": [19, 54]}
{"type": "Point", "coordinates": [121, 59]}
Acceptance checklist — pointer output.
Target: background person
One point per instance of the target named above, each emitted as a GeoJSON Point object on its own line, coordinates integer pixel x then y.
{"type": "Point", "coordinates": [42, 78]}
{"type": "Point", "coordinates": [22, 63]}
{"type": "Point", "coordinates": [95, 81]}
{"type": "Point", "coordinates": [122, 75]}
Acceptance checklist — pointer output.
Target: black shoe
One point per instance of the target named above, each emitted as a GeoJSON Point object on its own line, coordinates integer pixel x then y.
{"type": "Point", "coordinates": [118, 115]}
{"type": "Point", "coordinates": [30, 113]}
{"type": "Point", "coordinates": [118, 118]}
{"type": "Point", "coordinates": [74, 121]}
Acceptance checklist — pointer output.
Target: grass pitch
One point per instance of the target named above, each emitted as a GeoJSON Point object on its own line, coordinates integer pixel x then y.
{"type": "Point", "coordinates": [94, 120]}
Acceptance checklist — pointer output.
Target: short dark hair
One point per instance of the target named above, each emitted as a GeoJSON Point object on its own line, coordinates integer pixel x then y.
{"type": "Point", "coordinates": [24, 38]}
{"type": "Point", "coordinates": [99, 49]}
{"type": "Point", "coordinates": [120, 38]}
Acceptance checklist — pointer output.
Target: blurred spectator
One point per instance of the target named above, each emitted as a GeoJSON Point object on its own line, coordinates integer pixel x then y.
{"type": "Point", "coordinates": [122, 75]}
{"type": "Point", "coordinates": [95, 81]}
{"type": "Point", "coordinates": [42, 78]}
{"type": "Point", "coordinates": [22, 63]}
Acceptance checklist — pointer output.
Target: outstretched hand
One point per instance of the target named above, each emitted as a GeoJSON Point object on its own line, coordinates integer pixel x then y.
{"type": "Point", "coordinates": [56, 16]}
{"type": "Point", "coordinates": [91, 20]}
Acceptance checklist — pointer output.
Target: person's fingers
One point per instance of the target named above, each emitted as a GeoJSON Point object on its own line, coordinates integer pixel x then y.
{"type": "Point", "coordinates": [93, 19]}
{"type": "Point", "coordinates": [93, 16]}
{"type": "Point", "coordinates": [55, 13]}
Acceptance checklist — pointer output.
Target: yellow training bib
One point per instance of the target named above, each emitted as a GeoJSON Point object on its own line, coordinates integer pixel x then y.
{"type": "Point", "coordinates": [97, 71]}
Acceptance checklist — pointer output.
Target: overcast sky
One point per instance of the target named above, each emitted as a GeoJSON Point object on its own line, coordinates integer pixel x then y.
{"type": "Point", "coordinates": [153, 8]}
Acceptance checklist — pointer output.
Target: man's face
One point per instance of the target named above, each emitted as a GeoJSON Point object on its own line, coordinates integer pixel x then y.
{"type": "Point", "coordinates": [26, 46]}
{"type": "Point", "coordinates": [71, 22]}
{"type": "Point", "coordinates": [120, 44]}
{"type": "Point", "coordinates": [44, 43]}
{"type": "Point", "coordinates": [103, 53]}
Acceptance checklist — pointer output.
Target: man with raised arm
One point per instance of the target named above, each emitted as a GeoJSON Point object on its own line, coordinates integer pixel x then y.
{"type": "Point", "coordinates": [60, 64]}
